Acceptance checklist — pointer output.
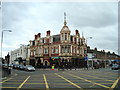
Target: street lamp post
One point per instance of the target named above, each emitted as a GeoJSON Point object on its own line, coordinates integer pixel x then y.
{"type": "Point", "coordinates": [86, 45]}
{"type": "Point", "coordinates": [2, 39]}
{"type": "Point", "coordinates": [88, 38]}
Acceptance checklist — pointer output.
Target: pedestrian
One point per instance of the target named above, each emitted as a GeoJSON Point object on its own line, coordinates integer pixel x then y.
{"type": "Point", "coordinates": [63, 67]}
{"type": "Point", "coordinates": [87, 66]}
{"type": "Point", "coordinates": [9, 70]}
{"type": "Point", "coordinates": [75, 67]}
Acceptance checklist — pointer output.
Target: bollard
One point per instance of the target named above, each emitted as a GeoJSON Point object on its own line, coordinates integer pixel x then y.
{"type": "Point", "coordinates": [53, 67]}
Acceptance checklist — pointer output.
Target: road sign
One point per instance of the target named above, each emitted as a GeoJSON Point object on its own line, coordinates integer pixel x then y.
{"type": "Point", "coordinates": [86, 58]}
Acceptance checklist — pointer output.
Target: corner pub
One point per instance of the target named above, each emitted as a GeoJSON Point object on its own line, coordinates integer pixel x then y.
{"type": "Point", "coordinates": [60, 49]}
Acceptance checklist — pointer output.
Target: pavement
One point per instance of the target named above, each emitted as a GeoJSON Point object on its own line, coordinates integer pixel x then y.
{"type": "Point", "coordinates": [93, 79]}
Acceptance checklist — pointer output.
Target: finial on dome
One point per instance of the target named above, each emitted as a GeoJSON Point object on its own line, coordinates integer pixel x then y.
{"type": "Point", "coordinates": [65, 28]}
{"type": "Point", "coordinates": [65, 19]}
{"type": "Point", "coordinates": [82, 35]}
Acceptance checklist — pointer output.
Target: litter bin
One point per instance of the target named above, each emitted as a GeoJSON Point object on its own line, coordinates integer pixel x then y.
{"type": "Point", "coordinates": [4, 72]}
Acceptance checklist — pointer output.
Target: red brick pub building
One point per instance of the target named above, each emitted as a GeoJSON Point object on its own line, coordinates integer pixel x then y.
{"type": "Point", "coordinates": [60, 49]}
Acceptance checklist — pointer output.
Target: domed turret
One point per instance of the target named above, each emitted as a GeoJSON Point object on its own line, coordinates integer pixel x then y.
{"type": "Point", "coordinates": [65, 28]}
{"type": "Point", "coordinates": [65, 31]}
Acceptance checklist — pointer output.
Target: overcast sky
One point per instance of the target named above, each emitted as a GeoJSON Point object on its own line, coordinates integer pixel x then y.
{"type": "Point", "coordinates": [25, 19]}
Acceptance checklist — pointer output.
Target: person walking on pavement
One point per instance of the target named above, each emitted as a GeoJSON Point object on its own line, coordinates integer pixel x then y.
{"type": "Point", "coordinates": [85, 65]}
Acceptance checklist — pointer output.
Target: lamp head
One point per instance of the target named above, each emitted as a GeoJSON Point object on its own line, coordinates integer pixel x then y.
{"type": "Point", "coordinates": [10, 30]}
{"type": "Point", "coordinates": [90, 37]}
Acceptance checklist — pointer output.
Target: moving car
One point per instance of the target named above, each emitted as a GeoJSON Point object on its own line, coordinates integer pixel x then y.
{"type": "Point", "coordinates": [29, 68]}
{"type": "Point", "coordinates": [115, 67]}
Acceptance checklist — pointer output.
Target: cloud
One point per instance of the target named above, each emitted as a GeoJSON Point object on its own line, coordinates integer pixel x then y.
{"type": "Point", "coordinates": [26, 19]}
{"type": "Point", "coordinates": [95, 15]}
{"type": "Point", "coordinates": [105, 38]}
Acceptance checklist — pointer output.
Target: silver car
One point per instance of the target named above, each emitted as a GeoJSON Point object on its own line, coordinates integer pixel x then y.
{"type": "Point", "coordinates": [115, 67]}
{"type": "Point", "coordinates": [29, 68]}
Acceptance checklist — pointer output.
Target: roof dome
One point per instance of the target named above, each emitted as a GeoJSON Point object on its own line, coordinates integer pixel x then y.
{"type": "Point", "coordinates": [65, 29]}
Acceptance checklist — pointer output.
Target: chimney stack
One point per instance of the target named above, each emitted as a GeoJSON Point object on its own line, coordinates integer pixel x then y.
{"type": "Point", "coordinates": [77, 32]}
{"type": "Point", "coordinates": [48, 33]}
{"type": "Point", "coordinates": [39, 34]}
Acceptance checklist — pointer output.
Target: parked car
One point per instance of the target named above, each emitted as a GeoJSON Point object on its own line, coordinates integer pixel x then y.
{"type": "Point", "coordinates": [29, 68]}
{"type": "Point", "coordinates": [115, 67]}
{"type": "Point", "coordinates": [10, 65]}
{"type": "Point", "coordinates": [16, 66]}
{"type": "Point", "coordinates": [96, 66]}
{"type": "Point", "coordinates": [22, 67]}
{"type": "Point", "coordinates": [5, 65]}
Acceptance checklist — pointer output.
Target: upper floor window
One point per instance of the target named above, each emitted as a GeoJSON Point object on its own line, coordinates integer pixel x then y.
{"type": "Point", "coordinates": [65, 36]}
{"type": "Point", "coordinates": [52, 50]}
{"type": "Point", "coordinates": [66, 50]}
{"type": "Point", "coordinates": [56, 51]}
{"type": "Point", "coordinates": [56, 38]}
{"type": "Point", "coordinates": [45, 50]}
